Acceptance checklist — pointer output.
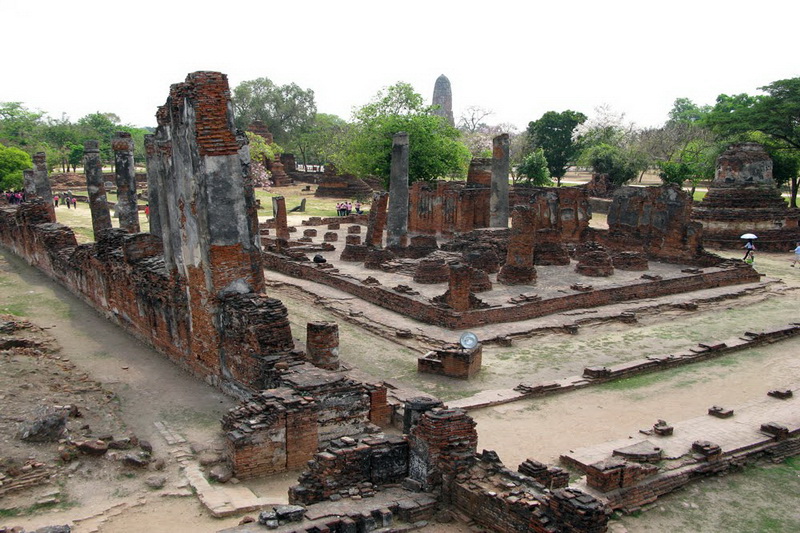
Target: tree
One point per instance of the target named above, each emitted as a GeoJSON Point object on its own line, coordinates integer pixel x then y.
{"type": "Point", "coordinates": [12, 162]}
{"type": "Point", "coordinates": [434, 147]}
{"type": "Point", "coordinates": [321, 139]}
{"type": "Point", "coordinates": [622, 165]}
{"type": "Point", "coordinates": [534, 169]}
{"type": "Point", "coordinates": [554, 133]}
{"type": "Point", "coordinates": [287, 110]}
{"type": "Point", "coordinates": [471, 120]}
{"type": "Point", "coordinates": [18, 126]}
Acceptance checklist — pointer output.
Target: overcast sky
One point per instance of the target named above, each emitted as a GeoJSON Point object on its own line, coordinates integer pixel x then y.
{"type": "Point", "coordinates": [517, 58]}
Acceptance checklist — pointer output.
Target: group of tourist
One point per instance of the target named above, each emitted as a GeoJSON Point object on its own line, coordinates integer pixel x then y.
{"type": "Point", "coordinates": [68, 199]}
{"type": "Point", "coordinates": [15, 198]}
{"type": "Point", "coordinates": [345, 208]}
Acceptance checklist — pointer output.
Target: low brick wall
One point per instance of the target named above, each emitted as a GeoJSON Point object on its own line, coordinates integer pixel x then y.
{"type": "Point", "coordinates": [422, 310]}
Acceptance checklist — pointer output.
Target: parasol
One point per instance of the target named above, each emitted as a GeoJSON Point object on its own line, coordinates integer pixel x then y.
{"type": "Point", "coordinates": [748, 236]}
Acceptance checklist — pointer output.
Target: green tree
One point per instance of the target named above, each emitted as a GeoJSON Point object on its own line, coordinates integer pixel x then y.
{"type": "Point", "coordinates": [534, 169]}
{"type": "Point", "coordinates": [622, 165]}
{"type": "Point", "coordinates": [260, 150]}
{"type": "Point", "coordinates": [554, 133]}
{"type": "Point", "coordinates": [287, 110]}
{"type": "Point", "coordinates": [435, 150]}
{"type": "Point", "coordinates": [12, 162]}
{"type": "Point", "coordinates": [19, 126]}
{"type": "Point", "coordinates": [321, 140]}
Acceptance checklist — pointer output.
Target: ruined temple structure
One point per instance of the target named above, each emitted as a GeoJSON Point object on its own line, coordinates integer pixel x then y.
{"type": "Point", "coordinates": [335, 185]}
{"type": "Point", "coordinates": [656, 221]}
{"type": "Point", "coordinates": [443, 97]}
{"type": "Point", "coordinates": [743, 198]}
{"type": "Point", "coordinates": [262, 130]}
{"type": "Point", "coordinates": [193, 287]}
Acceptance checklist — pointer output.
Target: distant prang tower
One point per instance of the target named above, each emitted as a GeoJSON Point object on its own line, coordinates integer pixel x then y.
{"type": "Point", "coordinates": [443, 97]}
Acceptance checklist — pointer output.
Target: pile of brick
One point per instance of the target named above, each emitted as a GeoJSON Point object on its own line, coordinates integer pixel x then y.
{"type": "Point", "coordinates": [593, 260]}
{"type": "Point", "coordinates": [443, 445]}
{"type": "Point", "coordinates": [352, 469]}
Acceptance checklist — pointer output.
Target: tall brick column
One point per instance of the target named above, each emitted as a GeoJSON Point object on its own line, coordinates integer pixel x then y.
{"type": "Point", "coordinates": [154, 173]}
{"type": "Point", "coordinates": [322, 344]}
{"type": "Point", "coordinates": [459, 285]}
{"type": "Point", "coordinates": [279, 211]}
{"type": "Point", "coordinates": [93, 167]}
{"type": "Point", "coordinates": [397, 222]}
{"type": "Point", "coordinates": [125, 171]}
{"type": "Point", "coordinates": [29, 184]}
{"type": "Point", "coordinates": [519, 267]}
{"type": "Point", "coordinates": [377, 220]}
{"type": "Point", "coordinates": [208, 225]}
{"type": "Point", "coordinates": [42, 182]}
{"type": "Point", "coordinates": [498, 208]}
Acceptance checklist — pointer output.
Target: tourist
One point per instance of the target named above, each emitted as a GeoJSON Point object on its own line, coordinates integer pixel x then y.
{"type": "Point", "coordinates": [796, 255]}
{"type": "Point", "coordinates": [55, 201]}
{"type": "Point", "coordinates": [147, 211]}
{"type": "Point", "coordinates": [358, 207]}
{"type": "Point", "coordinates": [74, 203]}
{"type": "Point", "coordinates": [749, 254]}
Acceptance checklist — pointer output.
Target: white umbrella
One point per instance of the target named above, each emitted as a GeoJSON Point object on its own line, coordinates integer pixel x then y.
{"type": "Point", "coordinates": [748, 236]}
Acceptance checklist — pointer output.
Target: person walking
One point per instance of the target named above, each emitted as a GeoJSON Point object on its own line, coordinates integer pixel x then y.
{"type": "Point", "coordinates": [749, 251]}
{"type": "Point", "coordinates": [796, 255]}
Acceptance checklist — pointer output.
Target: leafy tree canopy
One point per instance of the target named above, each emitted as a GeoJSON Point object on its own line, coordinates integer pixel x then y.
{"type": "Point", "coordinates": [435, 150]}
{"type": "Point", "coordinates": [321, 140]}
{"type": "Point", "coordinates": [554, 133]}
{"type": "Point", "coordinates": [287, 110]}
{"type": "Point", "coordinates": [622, 165]}
{"type": "Point", "coordinates": [12, 162]}
{"type": "Point", "coordinates": [534, 170]}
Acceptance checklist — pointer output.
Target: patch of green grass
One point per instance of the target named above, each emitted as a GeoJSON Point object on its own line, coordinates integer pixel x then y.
{"type": "Point", "coordinates": [16, 309]}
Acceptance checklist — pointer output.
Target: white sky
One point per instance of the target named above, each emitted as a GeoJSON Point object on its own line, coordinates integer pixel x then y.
{"type": "Point", "coordinates": [518, 58]}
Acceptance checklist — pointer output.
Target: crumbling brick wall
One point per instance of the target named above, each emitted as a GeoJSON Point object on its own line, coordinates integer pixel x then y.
{"type": "Point", "coordinates": [447, 207]}
{"type": "Point", "coordinates": [194, 290]}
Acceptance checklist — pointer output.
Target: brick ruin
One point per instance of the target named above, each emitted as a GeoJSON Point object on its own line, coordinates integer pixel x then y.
{"type": "Point", "coordinates": [332, 184]}
{"type": "Point", "coordinates": [437, 455]}
{"type": "Point", "coordinates": [743, 198]}
{"type": "Point", "coordinates": [193, 288]}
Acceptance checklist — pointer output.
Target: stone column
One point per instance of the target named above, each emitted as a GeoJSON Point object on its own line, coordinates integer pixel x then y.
{"type": "Point", "coordinates": [519, 267]}
{"type": "Point", "coordinates": [459, 285]}
{"type": "Point", "coordinates": [498, 207]}
{"type": "Point", "coordinates": [125, 171]}
{"type": "Point", "coordinates": [377, 220]}
{"type": "Point", "coordinates": [101, 218]}
{"type": "Point", "coordinates": [154, 171]}
{"type": "Point", "coordinates": [279, 212]}
{"type": "Point", "coordinates": [29, 184]}
{"type": "Point", "coordinates": [397, 220]}
{"type": "Point", "coordinates": [322, 344]}
{"type": "Point", "coordinates": [42, 182]}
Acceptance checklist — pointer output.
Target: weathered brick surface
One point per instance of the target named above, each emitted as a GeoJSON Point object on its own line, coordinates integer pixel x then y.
{"type": "Point", "coordinates": [432, 271]}
{"type": "Point", "coordinates": [447, 207]}
{"type": "Point", "coordinates": [519, 268]}
{"type": "Point", "coordinates": [125, 174]}
{"type": "Point", "coordinates": [454, 362]}
{"type": "Point", "coordinates": [322, 344]}
{"type": "Point", "coordinates": [743, 198]}
{"type": "Point", "coordinates": [377, 219]}
{"type": "Point", "coordinates": [443, 445]}
{"type": "Point", "coordinates": [506, 501]}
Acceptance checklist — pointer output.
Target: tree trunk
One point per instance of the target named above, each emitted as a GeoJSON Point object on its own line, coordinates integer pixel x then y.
{"type": "Point", "coordinates": [793, 199]}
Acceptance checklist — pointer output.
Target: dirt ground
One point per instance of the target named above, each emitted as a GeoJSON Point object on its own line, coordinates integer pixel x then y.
{"type": "Point", "coordinates": [123, 388]}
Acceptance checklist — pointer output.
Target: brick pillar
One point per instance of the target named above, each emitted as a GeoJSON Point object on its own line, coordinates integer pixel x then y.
{"type": "Point", "coordinates": [29, 184]}
{"type": "Point", "coordinates": [519, 267]}
{"type": "Point", "coordinates": [279, 212]}
{"type": "Point", "coordinates": [154, 177]}
{"type": "Point", "coordinates": [377, 219]}
{"type": "Point", "coordinates": [458, 292]}
{"type": "Point", "coordinates": [42, 182]}
{"type": "Point", "coordinates": [207, 224]}
{"type": "Point", "coordinates": [125, 171]}
{"type": "Point", "coordinates": [442, 445]}
{"type": "Point", "coordinates": [397, 220]}
{"type": "Point", "coordinates": [322, 344]}
{"type": "Point", "coordinates": [499, 199]}
{"type": "Point", "coordinates": [101, 218]}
